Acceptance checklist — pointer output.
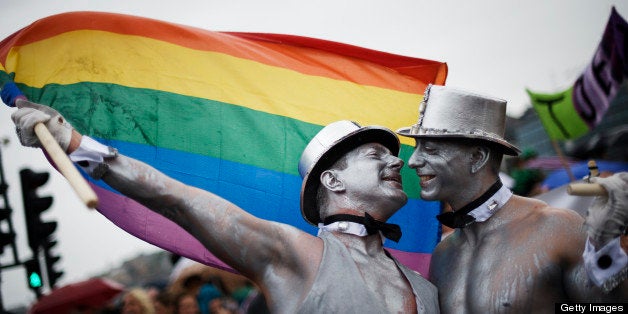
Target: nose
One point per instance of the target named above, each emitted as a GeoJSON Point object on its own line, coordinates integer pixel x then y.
{"type": "Point", "coordinates": [395, 162]}
{"type": "Point", "coordinates": [416, 160]}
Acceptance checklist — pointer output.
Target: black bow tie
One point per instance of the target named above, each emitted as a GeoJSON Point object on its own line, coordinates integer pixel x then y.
{"type": "Point", "coordinates": [390, 231]}
{"type": "Point", "coordinates": [461, 217]}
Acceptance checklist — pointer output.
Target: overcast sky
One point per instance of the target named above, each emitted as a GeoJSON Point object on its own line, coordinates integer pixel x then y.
{"type": "Point", "coordinates": [496, 47]}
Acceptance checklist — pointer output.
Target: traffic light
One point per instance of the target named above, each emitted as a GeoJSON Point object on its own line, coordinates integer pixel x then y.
{"type": "Point", "coordinates": [6, 238]}
{"type": "Point", "coordinates": [38, 231]}
{"type": "Point", "coordinates": [51, 260]}
{"type": "Point", "coordinates": [33, 275]}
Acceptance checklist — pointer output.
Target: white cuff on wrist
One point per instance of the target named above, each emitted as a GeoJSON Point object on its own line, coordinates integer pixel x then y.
{"type": "Point", "coordinates": [607, 266]}
{"type": "Point", "coordinates": [91, 155]}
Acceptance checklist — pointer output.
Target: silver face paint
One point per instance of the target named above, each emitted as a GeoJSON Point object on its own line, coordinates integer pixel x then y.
{"type": "Point", "coordinates": [373, 180]}
{"type": "Point", "coordinates": [443, 168]}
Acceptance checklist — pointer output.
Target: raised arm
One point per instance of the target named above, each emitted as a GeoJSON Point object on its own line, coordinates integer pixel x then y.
{"type": "Point", "coordinates": [243, 241]}
{"type": "Point", "coordinates": [253, 246]}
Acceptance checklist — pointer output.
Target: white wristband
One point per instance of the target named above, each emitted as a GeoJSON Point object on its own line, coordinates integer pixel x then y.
{"type": "Point", "coordinates": [91, 155]}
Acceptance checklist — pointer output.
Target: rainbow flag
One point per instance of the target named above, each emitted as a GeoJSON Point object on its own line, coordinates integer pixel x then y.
{"type": "Point", "coordinates": [226, 112]}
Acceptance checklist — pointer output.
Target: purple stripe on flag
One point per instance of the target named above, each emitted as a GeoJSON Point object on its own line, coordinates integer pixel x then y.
{"type": "Point", "coordinates": [153, 228]}
{"type": "Point", "coordinates": [419, 262]}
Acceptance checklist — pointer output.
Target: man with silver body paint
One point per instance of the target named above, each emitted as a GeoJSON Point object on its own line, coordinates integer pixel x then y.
{"type": "Point", "coordinates": [354, 171]}
{"type": "Point", "coordinates": [508, 254]}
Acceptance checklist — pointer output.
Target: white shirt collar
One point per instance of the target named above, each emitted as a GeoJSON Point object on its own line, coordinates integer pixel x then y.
{"type": "Point", "coordinates": [492, 205]}
{"type": "Point", "coordinates": [344, 227]}
{"type": "Point", "coordinates": [349, 227]}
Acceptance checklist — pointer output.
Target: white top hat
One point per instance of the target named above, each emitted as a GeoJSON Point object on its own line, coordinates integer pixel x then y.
{"type": "Point", "coordinates": [329, 144]}
{"type": "Point", "coordinates": [447, 112]}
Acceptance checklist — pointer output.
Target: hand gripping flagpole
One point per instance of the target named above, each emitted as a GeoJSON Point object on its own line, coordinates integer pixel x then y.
{"type": "Point", "coordinates": [65, 165]}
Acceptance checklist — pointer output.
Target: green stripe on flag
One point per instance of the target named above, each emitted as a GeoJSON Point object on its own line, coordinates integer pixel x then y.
{"type": "Point", "coordinates": [193, 125]}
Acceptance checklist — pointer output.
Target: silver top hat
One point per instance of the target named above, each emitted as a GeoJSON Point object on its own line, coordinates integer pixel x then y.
{"type": "Point", "coordinates": [446, 112]}
{"type": "Point", "coordinates": [329, 144]}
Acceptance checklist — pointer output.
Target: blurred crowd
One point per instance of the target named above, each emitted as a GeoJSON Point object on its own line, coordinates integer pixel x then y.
{"type": "Point", "coordinates": [192, 289]}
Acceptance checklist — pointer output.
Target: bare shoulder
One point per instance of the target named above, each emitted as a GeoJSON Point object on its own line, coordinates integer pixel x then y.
{"type": "Point", "coordinates": [295, 245]}
{"type": "Point", "coordinates": [543, 214]}
{"type": "Point", "coordinates": [564, 218]}
{"type": "Point", "coordinates": [300, 248]}
{"type": "Point", "coordinates": [559, 228]}
{"type": "Point", "coordinates": [292, 260]}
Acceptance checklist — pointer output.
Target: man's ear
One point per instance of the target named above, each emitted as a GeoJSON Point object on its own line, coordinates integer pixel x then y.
{"type": "Point", "coordinates": [479, 158]}
{"type": "Point", "coordinates": [329, 178]}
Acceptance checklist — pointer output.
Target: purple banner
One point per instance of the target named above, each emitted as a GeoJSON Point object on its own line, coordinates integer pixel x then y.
{"type": "Point", "coordinates": [598, 85]}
